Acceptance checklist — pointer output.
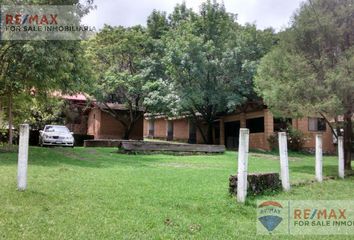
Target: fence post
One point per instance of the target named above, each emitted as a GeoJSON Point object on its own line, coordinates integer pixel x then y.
{"type": "Point", "coordinates": [340, 157]}
{"type": "Point", "coordinates": [284, 161]}
{"type": "Point", "coordinates": [23, 157]}
{"type": "Point", "coordinates": [242, 165]}
{"type": "Point", "coordinates": [319, 158]}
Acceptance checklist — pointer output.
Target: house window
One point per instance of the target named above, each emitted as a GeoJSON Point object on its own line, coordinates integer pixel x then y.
{"type": "Point", "coordinates": [151, 128]}
{"type": "Point", "coordinates": [281, 124]}
{"type": "Point", "coordinates": [317, 124]}
{"type": "Point", "coordinates": [255, 125]}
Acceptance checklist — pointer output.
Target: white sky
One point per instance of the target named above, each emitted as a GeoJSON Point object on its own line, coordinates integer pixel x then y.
{"type": "Point", "coordinates": [265, 13]}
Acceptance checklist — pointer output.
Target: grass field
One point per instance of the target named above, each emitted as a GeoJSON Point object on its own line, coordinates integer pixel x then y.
{"type": "Point", "coordinates": [99, 194]}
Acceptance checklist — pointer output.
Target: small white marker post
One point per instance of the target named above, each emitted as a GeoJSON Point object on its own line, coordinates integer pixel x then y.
{"type": "Point", "coordinates": [340, 157]}
{"type": "Point", "coordinates": [319, 158]}
{"type": "Point", "coordinates": [242, 165]}
{"type": "Point", "coordinates": [23, 157]}
{"type": "Point", "coordinates": [284, 161]}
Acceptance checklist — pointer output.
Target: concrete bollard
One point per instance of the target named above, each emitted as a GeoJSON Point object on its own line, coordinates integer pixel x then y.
{"type": "Point", "coordinates": [340, 157]}
{"type": "Point", "coordinates": [319, 158]}
{"type": "Point", "coordinates": [23, 157]}
{"type": "Point", "coordinates": [284, 161]}
{"type": "Point", "coordinates": [242, 165]}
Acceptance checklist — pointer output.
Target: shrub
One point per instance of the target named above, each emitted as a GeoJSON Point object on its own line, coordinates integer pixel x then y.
{"type": "Point", "coordinates": [273, 141]}
{"type": "Point", "coordinates": [296, 140]}
{"type": "Point", "coordinates": [4, 136]}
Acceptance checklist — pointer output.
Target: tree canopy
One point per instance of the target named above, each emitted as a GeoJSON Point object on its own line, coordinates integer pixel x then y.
{"type": "Point", "coordinates": [310, 71]}
{"type": "Point", "coordinates": [211, 61]}
{"type": "Point", "coordinates": [194, 63]}
{"type": "Point", "coordinates": [118, 56]}
{"type": "Point", "coordinates": [36, 68]}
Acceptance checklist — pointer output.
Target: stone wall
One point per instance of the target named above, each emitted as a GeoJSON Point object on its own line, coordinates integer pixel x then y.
{"type": "Point", "coordinates": [258, 183]}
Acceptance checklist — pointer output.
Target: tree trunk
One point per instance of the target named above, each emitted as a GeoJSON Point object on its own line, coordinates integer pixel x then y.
{"type": "Point", "coordinates": [127, 133]}
{"type": "Point", "coordinates": [348, 136]}
{"type": "Point", "coordinates": [197, 125]}
{"type": "Point", "coordinates": [210, 138]}
{"type": "Point", "coordinates": [10, 118]}
{"type": "Point", "coordinates": [128, 130]}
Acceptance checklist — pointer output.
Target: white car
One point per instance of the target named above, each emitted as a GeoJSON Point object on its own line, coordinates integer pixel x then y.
{"type": "Point", "coordinates": [55, 135]}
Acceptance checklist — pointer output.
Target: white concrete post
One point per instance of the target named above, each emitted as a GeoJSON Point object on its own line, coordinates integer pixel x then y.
{"type": "Point", "coordinates": [319, 158]}
{"type": "Point", "coordinates": [340, 157]}
{"type": "Point", "coordinates": [242, 165]}
{"type": "Point", "coordinates": [284, 161]}
{"type": "Point", "coordinates": [23, 157]}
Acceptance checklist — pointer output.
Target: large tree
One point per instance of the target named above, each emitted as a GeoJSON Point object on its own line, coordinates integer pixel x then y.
{"type": "Point", "coordinates": [211, 61]}
{"type": "Point", "coordinates": [40, 67]}
{"type": "Point", "coordinates": [119, 57]}
{"type": "Point", "coordinates": [311, 70]}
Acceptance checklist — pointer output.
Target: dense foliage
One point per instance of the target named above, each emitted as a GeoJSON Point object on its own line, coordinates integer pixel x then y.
{"type": "Point", "coordinates": [211, 61]}
{"type": "Point", "coordinates": [295, 140]}
{"type": "Point", "coordinates": [38, 68]}
{"type": "Point", "coordinates": [194, 63]}
{"type": "Point", "coordinates": [118, 56]}
{"type": "Point", "coordinates": [310, 71]}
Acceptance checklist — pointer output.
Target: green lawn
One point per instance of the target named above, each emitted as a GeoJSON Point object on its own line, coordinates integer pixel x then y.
{"type": "Point", "coordinates": [99, 194]}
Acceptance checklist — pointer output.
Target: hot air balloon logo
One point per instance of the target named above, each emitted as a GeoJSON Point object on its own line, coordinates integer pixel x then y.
{"type": "Point", "coordinates": [270, 214]}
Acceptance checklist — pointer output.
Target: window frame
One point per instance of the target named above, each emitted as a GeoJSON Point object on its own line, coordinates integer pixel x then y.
{"type": "Point", "coordinates": [318, 124]}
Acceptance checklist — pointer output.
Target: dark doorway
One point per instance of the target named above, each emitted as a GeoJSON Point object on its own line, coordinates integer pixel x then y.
{"type": "Point", "coordinates": [151, 128]}
{"type": "Point", "coordinates": [217, 133]}
{"type": "Point", "coordinates": [232, 131]}
{"type": "Point", "coordinates": [192, 133]}
{"type": "Point", "coordinates": [169, 130]}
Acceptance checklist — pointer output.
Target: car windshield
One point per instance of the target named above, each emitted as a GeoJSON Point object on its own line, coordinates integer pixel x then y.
{"type": "Point", "coordinates": [61, 129]}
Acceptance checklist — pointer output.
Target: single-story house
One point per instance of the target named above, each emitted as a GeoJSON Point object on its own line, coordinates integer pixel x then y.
{"type": "Point", "coordinates": [76, 109]}
{"type": "Point", "coordinates": [89, 118]}
{"type": "Point", "coordinates": [102, 125]}
{"type": "Point", "coordinates": [260, 121]}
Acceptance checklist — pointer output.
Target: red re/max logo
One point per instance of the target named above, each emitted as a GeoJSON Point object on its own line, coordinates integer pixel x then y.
{"type": "Point", "coordinates": [19, 19]}
{"type": "Point", "coordinates": [320, 214]}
